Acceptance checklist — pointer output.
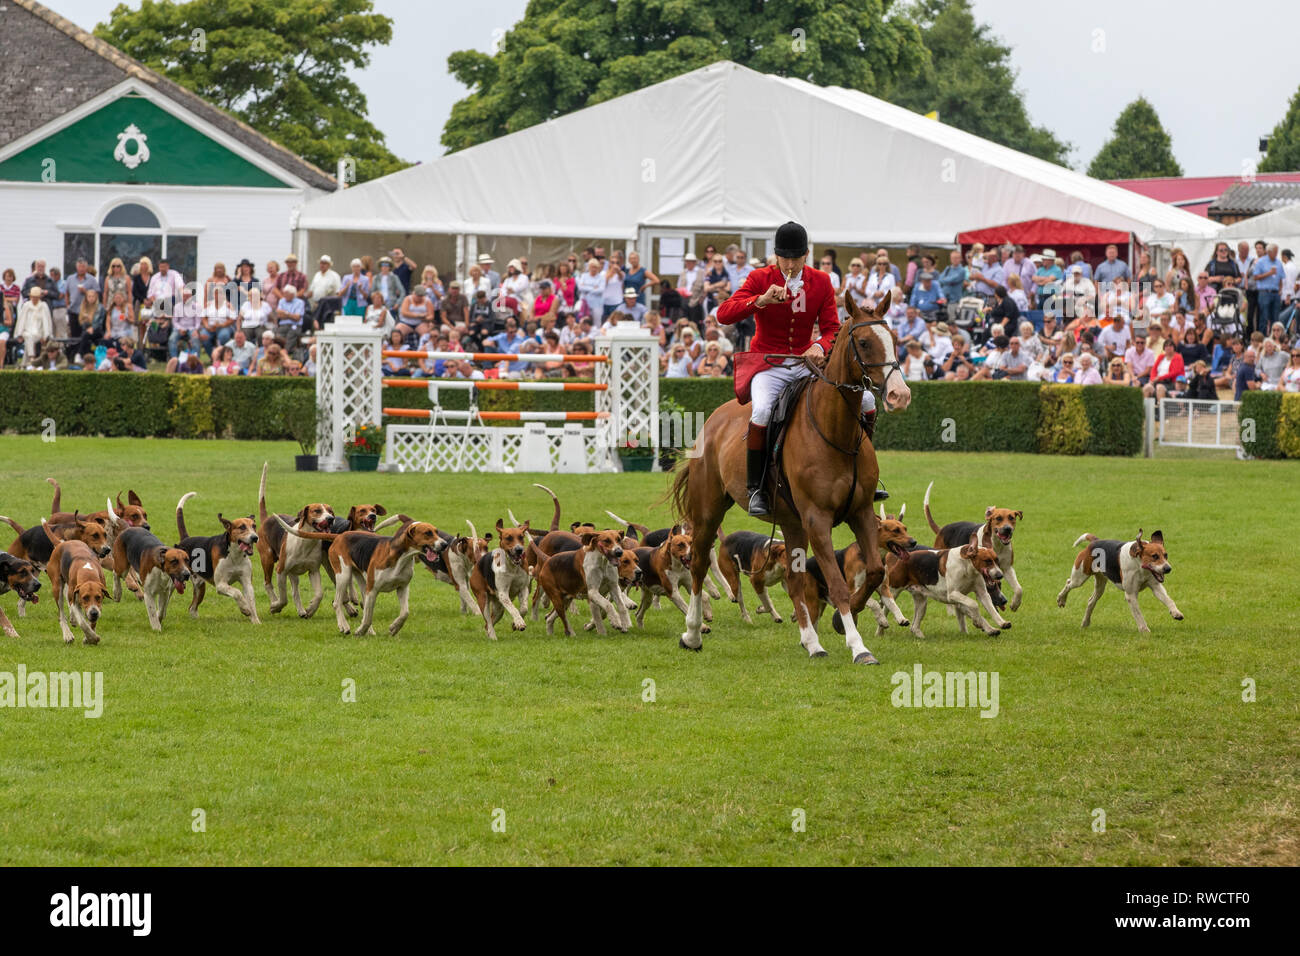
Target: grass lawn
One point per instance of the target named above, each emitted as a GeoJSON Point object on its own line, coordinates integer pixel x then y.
{"type": "Point", "coordinates": [249, 725]}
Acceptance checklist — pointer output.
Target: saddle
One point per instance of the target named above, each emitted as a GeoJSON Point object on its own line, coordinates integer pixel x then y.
{"type": "Point", "coordinates": [782, 411]}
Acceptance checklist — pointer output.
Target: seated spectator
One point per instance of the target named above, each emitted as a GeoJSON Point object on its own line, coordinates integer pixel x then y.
{"type": "Point", "coordinates": [909, 329]}
{"type": "Point", "coordinates": [690, 340]}
{"type": "Point", "coordinates": [1291, 376]}
{"type": "Point", "coordinates": [290, 313]}
{"type": "Point", "coordinates": [129, 358]}
{"type": "Point", "coordinates": [217, 327]}
{"type": "Point", "coordinates": [53, 360]}
{"type": "Point", "coordinates": [242, 351]}
{"type": "Point", "coordinates": [713, 364]}
{"type": "Point", "coordinates": [1005, 311]}
{"type": "Point", "coordinates": [34, 325]}
{"type": "Point", "coordinates": [186, 363]}
{"type": "Point", "coordinates": [1247, 378]}
{"type": "Point", "coordinates": [1272, 361]}
{"type": "Point", "coordinates": [1078, 292]}
{"type": "Point", "coordinates": [1139, 359]}
{"type": "Point", "coordinates": [916, 364]}
{"type": "Point", "coordinates": [393, 365]}
{"type": "Point", "coordinates": [377, 314]}
{"type": "Point", "coordinates": [1200, 386]}
{"type": "Point", "coordinates": [937, 342]}
{"type": "Point", "coordinates": [677, 363]}
{"type": "Point", "coordinates": [1087, 374]}
{"type": "Point", "coordinates": [120, 322]}
{"type": "Point", "coordinates": [958, 367]}
{"type": "Point", "coordinates": [1115, 338]}
{"type": "Point", "coordinates": [1233, 355]}
{"type": "Point", "coordinates": [416, 310]}
{"type": "Point", "coordinates": [615, 318]}
{"type": "Point", "coordinates": [1117, 373]}
{"type": "Point", "coordinates": [223, 363]}
{"type": "Point", "coordinates": [91, 319]}
{"type": "Point", "coordinates": [274, 362]}
{"type": "Point", "coordinates": [1165, 374]}
{"type": "Point", "coordinates": [185, 322]}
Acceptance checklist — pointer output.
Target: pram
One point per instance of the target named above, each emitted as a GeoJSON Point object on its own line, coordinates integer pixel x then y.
{"type": "Point", "coordinates": [1225, 315]}
{"type": "Point", "coordinates": [969, 317]}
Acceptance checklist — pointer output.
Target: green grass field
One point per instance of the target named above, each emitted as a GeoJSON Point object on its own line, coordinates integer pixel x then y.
{"type": "Point", "coordinates": [249, 725]}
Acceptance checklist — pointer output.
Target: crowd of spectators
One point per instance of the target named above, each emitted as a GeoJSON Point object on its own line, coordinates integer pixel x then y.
{"type": "Point", "coordinates": [989, 313]}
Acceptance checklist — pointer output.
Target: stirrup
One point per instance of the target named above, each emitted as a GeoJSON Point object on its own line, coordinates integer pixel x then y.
{"type": "Point", "coordinates": [881, 494]}
{"type": "Point", "coordinates": [758, 506]}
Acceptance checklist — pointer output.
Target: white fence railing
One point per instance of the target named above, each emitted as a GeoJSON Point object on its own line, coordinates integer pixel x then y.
{"type": "Point", "coordinates": [1188, 423]}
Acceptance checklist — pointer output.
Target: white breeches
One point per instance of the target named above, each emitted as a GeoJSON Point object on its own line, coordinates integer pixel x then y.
{"type": "Point", "coordinates": [766, 385]}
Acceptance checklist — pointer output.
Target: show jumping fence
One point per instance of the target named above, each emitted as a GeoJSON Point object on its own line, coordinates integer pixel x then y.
{"type": "Point", "coordinates": [349, 383]}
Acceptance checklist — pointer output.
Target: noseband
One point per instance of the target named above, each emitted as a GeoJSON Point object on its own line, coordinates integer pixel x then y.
{"type": "Point", "coordinates": [865, 367]}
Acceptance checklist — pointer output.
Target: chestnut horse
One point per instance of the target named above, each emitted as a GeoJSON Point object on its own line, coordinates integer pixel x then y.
{"type": "Point", "coordinates": [830, 466]}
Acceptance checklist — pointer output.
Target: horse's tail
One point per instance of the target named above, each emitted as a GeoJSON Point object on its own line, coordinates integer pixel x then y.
{"type": "Point", "coordinates": [928, 517]}
{"type": "Point", "coordinates": [679, 492]}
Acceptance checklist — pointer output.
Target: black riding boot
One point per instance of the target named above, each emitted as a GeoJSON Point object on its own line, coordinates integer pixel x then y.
{"type": "Point", "coordinates": [755, 465]}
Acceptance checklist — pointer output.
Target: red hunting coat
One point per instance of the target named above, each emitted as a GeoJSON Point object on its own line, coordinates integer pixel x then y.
{"type": "Point", "coordinates": [779, 328]}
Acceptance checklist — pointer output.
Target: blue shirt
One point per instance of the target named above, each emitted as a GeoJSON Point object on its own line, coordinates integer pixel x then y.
{"type": "Point", "coordinates": [994, 275]}
{"type": "Point", "coordinates": [295, 308]}
{"type": "Point", "coordinates": [1087, 269]}
{"type": "Point", "coordinates": [1245, 374]}
{"type": "Point", "coordinates": [1274, 282]}
{"type": "Point", "coordinates": [505, 343]}
{"type": "Point", "coordinates": [927, 300]}
{"type": "Point", "coordinates": [951, 281]}
{"type": "Point", "coordinates": [1053, 287]}
{"type": "Point", "coordinates": [1110, 271]}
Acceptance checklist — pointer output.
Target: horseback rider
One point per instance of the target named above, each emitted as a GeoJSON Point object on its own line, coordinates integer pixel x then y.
{"type": "Point", "coordinates": [786, 300]}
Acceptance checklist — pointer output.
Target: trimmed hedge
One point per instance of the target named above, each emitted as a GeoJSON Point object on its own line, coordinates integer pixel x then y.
{"type": "Point", "coordinates": [944, 416]}
{"type": "Point", "coordinates": [1276, 416]}
{"type": "Point", "coordinates": [963, 416]}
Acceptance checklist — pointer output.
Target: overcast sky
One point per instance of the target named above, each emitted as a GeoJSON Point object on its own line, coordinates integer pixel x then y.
{"type": "Point", "coordinates": [1217, 89]}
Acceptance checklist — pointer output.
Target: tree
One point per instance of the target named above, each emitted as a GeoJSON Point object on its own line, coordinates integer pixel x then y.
{"type": "Point", "coordinates": [280, 67]}
{"type": "Point", "coordinates": [1139, 147]}
{"type": "Point", "coordinates": [969, 79]}
{"type": "Point", "coordinates": [567, 54]}
{"type": "Point", "coordinates": [1283, 154]}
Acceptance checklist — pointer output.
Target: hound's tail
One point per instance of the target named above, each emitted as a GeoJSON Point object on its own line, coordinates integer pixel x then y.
{"type": "Point", "coordinates": [314, 535]}
{"type": "Point", "coordinates": [933, 527]}
{"type": "Point", "coordinates": [261, 497]}
{"type": "Point", "coordinates": [631, 526]}
{"type": "Point", "coordinates": [12, 523]}
{"type": "Point", "coordinates": [1089, 538]}
{"type": "Point", "coordinates": [53, 536]}
{"type": "Point", "coordinates": [555, 518]}
{"type": "Point", "coordinates": [388, 522]}
{"type": "Point", "coordinates": [180, 514]}
{"type": "Point", "coordinates": [58, 496]}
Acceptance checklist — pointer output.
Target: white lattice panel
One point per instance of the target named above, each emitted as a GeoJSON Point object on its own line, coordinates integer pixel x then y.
{"type": "Point", "coordinates": [426, 448]}
{"type": "Point", "coordinates": [348, 387]}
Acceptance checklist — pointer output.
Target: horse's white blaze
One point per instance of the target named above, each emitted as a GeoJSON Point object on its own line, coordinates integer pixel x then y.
{"type": "Point", "coordinates": [897, 394]}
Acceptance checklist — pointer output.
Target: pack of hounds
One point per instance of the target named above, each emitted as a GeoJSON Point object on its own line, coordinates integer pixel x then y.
{"type": "Point", "coordinates": [518, 570]}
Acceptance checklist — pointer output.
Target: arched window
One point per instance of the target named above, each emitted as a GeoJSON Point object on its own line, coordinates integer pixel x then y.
{"type": "Point", "coordinates": [128, 231]}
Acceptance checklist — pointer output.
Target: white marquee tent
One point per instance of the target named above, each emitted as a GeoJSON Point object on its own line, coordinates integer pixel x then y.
{"type": "Point", "coordinates": [1281, 226]}
{"type": "Point", "coordinates": [725, 149]}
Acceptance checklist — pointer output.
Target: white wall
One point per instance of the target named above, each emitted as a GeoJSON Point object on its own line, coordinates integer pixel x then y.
{"type": "Point", "coordinates": [231, 223]}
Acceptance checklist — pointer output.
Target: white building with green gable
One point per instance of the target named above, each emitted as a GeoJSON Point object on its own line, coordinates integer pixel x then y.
{"type": "Point", "coordinates": [102, 157]}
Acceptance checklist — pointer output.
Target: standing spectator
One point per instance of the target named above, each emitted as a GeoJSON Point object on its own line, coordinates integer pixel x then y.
{"type": "Point", "coordinates": [245, 280]}
{"type": "Point", "coordinates": [612, 295]}
{"type": "Point", "coordinates": [1076, 259]}
{"type": "Point", "coordinates": [1205, 292]}
{"type": "Point", "coordinates": [1221, 266]}
{"type": "Point", "coordinates": [354, 289]}
{"type": "Point", "coordinates": [691, 273]}
{"type": "Point", "coordinates": [91, 321]}
{"type": "Point", "coordinates": [856, 282]}
{"type": "Point", "coordinates": [141, 279]}
{"type": "Point", "coordinates": [116, 281]}
{"type": "Point", "coordinates": [880, 282]}
{"type": "Point", "coordinates": [58, 302]}
{"type": "Point", "coordinates": [1111, 268]}
{"type": "Point", "coordinates": [79, 283]}
{"type": "Point", "coordinates": [1021, 266]}
{"type": "Point", "coordinates": [272, 280]}
{"type": "Point", "coordinates": [434, 289]}
{"type": "Point", "coordinates": [1247, 378]}
{"type": "Point", "coordinates": [403, 267]}
{"type": "Point", "coordinates": [952, 282]}
{"type": "Point", "coordinates": [925, 296]}
{"type": "Point", "coordinates": [164, 289]}
{"type": "Point", "coordinates": [1146, 273]}
{"type": "Point", "coordinates": [485, 262]}
{"type": "Point", "coordinates": [987, 277]}
{"type": "Point", "coordinates": [1267, 274]}
{"type": "Point", "coordinates": [121, 320]}
{"type": "Point", "coordinates": [323, 292]}
{"type": "Point", "coordinates": [566, 287]}
{"type": "Point", "coordinates": [1048, 278]}
{"type": "Point", "coordinates": [716, 283]}
{"type": "Point", "coordinates": [10, 297]}
{"type": "Point", "coordinates": [1179, 269]}
{"type": "Point", "coordinates": [388, 286]}
{"type": "Point", "coordinates": [591, 289]}
{"type": "Point", "coordinates": [217, 281]}
{"type": "Point", "coordinates": [1245, 265]}
{"type": "Point", "coordinates": [1290, 276]}
{"type": "Point", "coordinates": [291, 276]}
{"type": "Point", "coordinates": [1005, 311]}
